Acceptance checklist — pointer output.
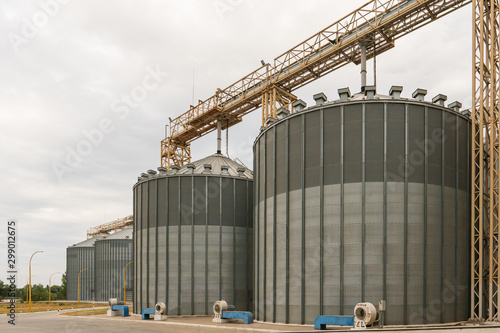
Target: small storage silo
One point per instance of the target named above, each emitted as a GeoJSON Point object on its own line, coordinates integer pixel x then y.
{"type": "Point", "coordinates": [193, 237]}
{"type": "Point", "coordinates": [359, 200]}
{"type": "Point", "coordinates": [78, 257]}
{"type": "Point", "coordinates": [112, 254]}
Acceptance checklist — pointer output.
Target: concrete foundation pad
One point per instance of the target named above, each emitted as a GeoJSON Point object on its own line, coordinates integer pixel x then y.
{"type": "Point", "coordinates": [112, 313]}
{"type": "Point", "coordinates": [160, 317]}
{"type": "Point", "coordinates": [220, 321]}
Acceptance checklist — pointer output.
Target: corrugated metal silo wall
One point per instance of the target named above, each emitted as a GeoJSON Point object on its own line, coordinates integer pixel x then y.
{"type": "Point", "coordinates": [363, 201]}
{"type": "Point", "coordinates": [78, 258]}
{"type": "Point", "coordinates": [206, 254]}
{"type": "Point", "coordinates": [111, 256]}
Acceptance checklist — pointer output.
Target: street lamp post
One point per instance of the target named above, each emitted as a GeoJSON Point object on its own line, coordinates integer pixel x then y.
{"type": "Point", "coordinates": [79, 284]}
{"type": "Point", "coordinates": [50, 282]}
{"type": "Point", "coordinates": [125, 282]}
{"type": "Point", "coordinates": [29, 293]}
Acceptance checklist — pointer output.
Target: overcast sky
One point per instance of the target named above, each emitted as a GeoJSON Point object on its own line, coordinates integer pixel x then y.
{"type": "Point", "coordinates": [73, 141]}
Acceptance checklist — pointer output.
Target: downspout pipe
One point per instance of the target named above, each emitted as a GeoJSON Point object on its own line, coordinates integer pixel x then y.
{"type": "Point", "coordinates": [363, 67]}
{"type": "Point", "coordinates": [219, 130]}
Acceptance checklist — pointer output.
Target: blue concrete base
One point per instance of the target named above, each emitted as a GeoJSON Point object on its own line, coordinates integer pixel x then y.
{"type": "Point", "coordinates": [321, 321]}
{"type": "Point", "coordinates": [246, 316]}
{"type": "Point", "coordinates": [146, 313]}
{"type": "Point", "coordinates": [122, 308]}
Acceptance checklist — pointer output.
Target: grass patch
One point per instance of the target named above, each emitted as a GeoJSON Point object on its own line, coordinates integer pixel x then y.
{"type": "Point", "coordinates": [86, 313]}
{"type": "Point", "coordinates": [91, 312]}
{"type": "Point", "coordinates": [43, 306]}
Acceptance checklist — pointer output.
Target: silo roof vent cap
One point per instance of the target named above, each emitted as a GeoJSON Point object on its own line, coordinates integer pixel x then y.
{"type": "Point", "coordinates": [163, 171]}
{"type": "Point", "coordinates": [241, 171]}
{"type": "Point", "coordinates": [224, 170]}
{"type": "Point", "coordinates": [419, 94]}
{"type": "Point", "coordinates": [466, 113]}
{"type": "Point", "coordinates": [282, 113]}
{"type": "Point", "coordinates": [370, 91]}
{"type": "Point", "coordinates": [262, 128]}
{"type": "Point", "coordinates": [439, 99]}
{"type": "Point", "coordinates": [151, 173]}
{"type": "Point", "coordinates": [395, 91]}
{"type": "Point", "coordinates": [140, 179]}
{"type": "Point", "coordinates": [175, 169]}
{"type": "Point", "coordinates": [299, 105]}
{"type": "Point", "coordinates": [144, 175]}
{"type": "Point", "coordinates": [455, 106]}
{"type": "Point", "coordinates": [344, 93]}
{"type": "Point", "coordinates": [270, 121]}
{"type": "Point", "coordinates": [320, 98]}
{"type": "Point", "coordinates": [190, 168]}
{"type": "Point", "coordinates": [208, 168]}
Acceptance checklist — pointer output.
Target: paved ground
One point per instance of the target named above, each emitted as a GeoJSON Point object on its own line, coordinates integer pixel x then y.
{"type": "Point", "coordinates": [51, 322]}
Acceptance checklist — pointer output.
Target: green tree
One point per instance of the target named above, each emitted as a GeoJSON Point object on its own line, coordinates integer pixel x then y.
{"type": "Point", "coordinates": [55, 293]}
{"type": "Point", "coordinates": [21, 293]}
{"type": "Point", "coordinates": [4, 290]}
{"type": "Point", "coordinates": [39, 293]}
{"type": "Point", "coordinates": [61, 294]}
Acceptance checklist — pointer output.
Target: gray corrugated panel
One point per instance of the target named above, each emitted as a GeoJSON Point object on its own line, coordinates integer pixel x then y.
{"type": "Point", "coordinates": [193, 240]}
{"type": "Point", "coordinates": [78, 257]}
{"type": "Point", "coordinates": [392, 227]}
{"type": "Point", "coordinates": [111, 257]}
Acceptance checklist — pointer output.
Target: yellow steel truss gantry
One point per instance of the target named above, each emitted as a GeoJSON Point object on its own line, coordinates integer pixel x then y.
{"type": "Point", "coordinates": [377, 25]}
{"type": "Point", "coordinates": [115, 225]}
{"type": "Point", "coordinates": [485, 297]}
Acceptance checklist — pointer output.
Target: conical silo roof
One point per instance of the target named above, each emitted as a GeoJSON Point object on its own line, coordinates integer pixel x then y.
{"type": "Point", "coordinates": [216, 161]}
{"type": "Point", "coordinates": [88, 242]}
{"type": "Point", "coordinates": [125, 233]}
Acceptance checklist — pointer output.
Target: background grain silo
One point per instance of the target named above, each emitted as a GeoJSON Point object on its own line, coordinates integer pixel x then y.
{"type": "Point", "coordinates": [78, 257]}
{"type": "Point", "coordinates": [363, 199]}
{"type": "Point", "coordinates": [112, 254]}
{"type": "Point", "coordinates": [193, 237]}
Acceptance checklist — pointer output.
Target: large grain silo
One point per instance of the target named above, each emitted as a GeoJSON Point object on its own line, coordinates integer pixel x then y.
{"type": "Point", "coordinates": [193, 237]}
{"type": "Point", "coordinates": [112, 254]}
{"type": "Point", "coordinates": [359, 200]}
{"type": "Point", "coordinates": [79, 257]}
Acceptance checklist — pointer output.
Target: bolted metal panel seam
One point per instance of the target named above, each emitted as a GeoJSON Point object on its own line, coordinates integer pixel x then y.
{"type": "Point", "coordinates": [384, 255]}
{"type": "Point", "coordinates": [443, 152]}
{"type": "Point", "coordinates": [426, 181]}
{"type": "Point", "coordinates": [341, 268]}
{"type": "Point", "coordinates": [322, 211]}
{"type": "Point", "coordinates": [274, 225]}
{"type": "Point", "coordinates": [405, 283]}
{"type": "Point", "coordinates": [363, 198]}
{"type": "Point", "coordinates": [156, 241]}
